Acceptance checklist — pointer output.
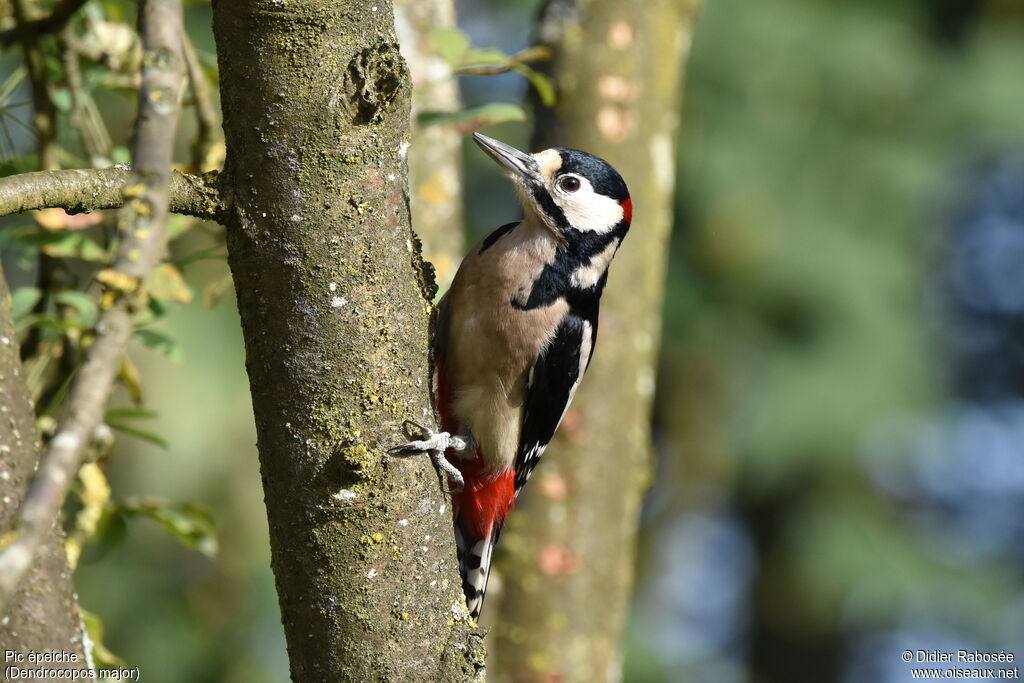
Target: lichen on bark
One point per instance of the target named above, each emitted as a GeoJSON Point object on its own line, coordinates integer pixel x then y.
{"type": "Point", "coordinates": [331, 295]}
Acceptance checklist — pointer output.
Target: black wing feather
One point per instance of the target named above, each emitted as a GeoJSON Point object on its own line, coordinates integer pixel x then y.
{"type": "Point", "coordinates": [553, 379]}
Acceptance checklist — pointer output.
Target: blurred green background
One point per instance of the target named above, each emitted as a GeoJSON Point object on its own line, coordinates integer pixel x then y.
{"type": "Point", "coordinates": [840, 406]}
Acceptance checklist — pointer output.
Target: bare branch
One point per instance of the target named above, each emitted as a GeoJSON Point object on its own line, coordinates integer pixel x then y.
{"type": "Point", "coordinates": [142, 222]}
{"type": "Point", "coordinates": [84, 117]}
{"type": "Point", "coordinates": [45, 118]}
{"type": "Point", "coordinates": [536, 53]}
{"type": "Point", "coordinates": [207, 117]}
{"type": "Point", "coordinates": [53, 22]}
{"type": "Point", "coordinates": [91, 189]}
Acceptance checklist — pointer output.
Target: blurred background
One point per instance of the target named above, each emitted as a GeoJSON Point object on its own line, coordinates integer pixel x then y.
{"type": "Point", "coordinates": [840, 400]}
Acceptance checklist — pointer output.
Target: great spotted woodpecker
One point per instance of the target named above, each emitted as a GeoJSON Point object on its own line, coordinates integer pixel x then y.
{"type": "Point", "coordinates": [515, 334]}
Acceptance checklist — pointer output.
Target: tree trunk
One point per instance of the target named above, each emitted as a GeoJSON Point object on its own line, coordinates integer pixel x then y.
{"type": "Point", "coordinates": [435, 160]}
{"type": "Point", "coordinates": [44, 612]}
{"type": "Point", "coordinates": [567, 554]}
{"type": "Point", "coordinates": [331, 291]}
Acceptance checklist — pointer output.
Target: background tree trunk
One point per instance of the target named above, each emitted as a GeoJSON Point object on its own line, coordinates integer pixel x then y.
{"type": "Point", "coordinates": [331, 293]}
{"type": "Point", "coordinates": [44, 612]}
{"type": "Point", "coordinates": [435, 160]}
{"type": "Point", "coordinates": [566, 557]}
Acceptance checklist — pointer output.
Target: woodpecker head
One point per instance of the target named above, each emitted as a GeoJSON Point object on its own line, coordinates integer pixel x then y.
{"type": "Point", "coordinates": [577, 195]}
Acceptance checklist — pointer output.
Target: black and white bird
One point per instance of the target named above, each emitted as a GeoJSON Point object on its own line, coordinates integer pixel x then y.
{"type": "Point", "coordinates": [514, 335]}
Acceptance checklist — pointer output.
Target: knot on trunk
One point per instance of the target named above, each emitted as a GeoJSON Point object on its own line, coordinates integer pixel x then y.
{"type": "Point", "coordinates": [372, 81]}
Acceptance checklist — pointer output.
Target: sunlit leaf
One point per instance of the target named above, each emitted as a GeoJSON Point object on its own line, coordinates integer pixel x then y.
{"type": "Point", "coordinates": [217, 290]}
{"type": "Point", "coordinates": [541, 83]}
{"type": "Point", "coordinates": [23, 300]}
{"type": "Point", "coordinates": [158, 341]}
{"type": "Point", "coordinates": [120, 155]}
{"type": "Point", "coordinates": [130, 377]}
{"type": "Point", "coordinates": [58, 219]}
{"type": "Point", "coordinates": [63, 244]}
{"type": "Point", "coordinates": [483, 57]}
{"type": "Point", "coordinates": [101, 656]}
{"type": "Point", "coordinates": [473, 117]}
{"type": "Point", "coordinates": [166, 283]}
{"type": "Point", "coordinates": [152, 438]}
{"type": "Point", "coordinates": [450, 43]}
{"type": "Point", "coordinates": [189, 523]}
{"type": "Point", "coordinates": [61, 98]}
{"type": "Point", "coordinates": [81, 302]}
{"type": "Point", "coordinates": [110, 533]}
{"type": "Point", "coordinates": [130, 414]}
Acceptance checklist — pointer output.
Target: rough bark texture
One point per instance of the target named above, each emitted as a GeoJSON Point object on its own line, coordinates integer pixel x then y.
{"type": "Point", "coordinates": [331, 291]}
{"type": "Point", "coordinates": [435, 163]}
{"type": "Point", "coordinates": [43, 612]}
{"type": "Point", "coordinates": [567, 553]}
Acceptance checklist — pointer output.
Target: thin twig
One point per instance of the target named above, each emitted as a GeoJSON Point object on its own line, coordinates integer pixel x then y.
{"type": "Point", "coordinates": [207, 118]}
{"type": "Point", "coordinates": [45, 119]}
{"type": "Point", "coordinates": [142, 222]}
{"type": "Point", "coordinates": [536, 53]}
{"type": "Point", "coordinates": [90, 128]}
{"type": "Point", "coordinates": [51, 23]}
{"type": "Point", "coordinates": [94, 189]}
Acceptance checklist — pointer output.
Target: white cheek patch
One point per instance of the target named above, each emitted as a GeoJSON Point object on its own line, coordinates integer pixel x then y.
{"type": "Point", "coordinates": [588, 211]}
{"type": "Point", "coordinates": [587, 275]}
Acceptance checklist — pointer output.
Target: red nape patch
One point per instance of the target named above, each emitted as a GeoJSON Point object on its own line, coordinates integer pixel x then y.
{"type": "Point", "coordinates": [486, 500]}
{"type": "Point", "coordinates": [627, 210]}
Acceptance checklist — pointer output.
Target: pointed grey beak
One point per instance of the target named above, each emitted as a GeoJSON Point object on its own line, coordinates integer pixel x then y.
{"type": "Point", "coordinates": [520, 164]}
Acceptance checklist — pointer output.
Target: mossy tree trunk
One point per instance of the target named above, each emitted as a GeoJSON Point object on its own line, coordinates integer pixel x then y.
{"type": "Point", "coordinates": [44, 613]}
{"type": "Point", "coordinates": [567, 553]}
{"type": "Point", "coordinates": [331, 291]}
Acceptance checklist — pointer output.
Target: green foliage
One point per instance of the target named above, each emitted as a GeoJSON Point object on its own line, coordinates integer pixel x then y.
{"type": "Point", "coordinates": [190, 524]}
{"type": "Point", "coordinates": [454, 47]}
{"type": "Point", "coordinates": [819, 145]}
{"type": "Point", "coordinates": [473, 118]}
{"type": "Point", "coordinates": [116, 420]}
{"type": "Point", "coordinates": [101, 656]}
{"type": "Point", "coordinates": [158, 341]}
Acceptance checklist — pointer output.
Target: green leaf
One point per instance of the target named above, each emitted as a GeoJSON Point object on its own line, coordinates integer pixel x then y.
{"type": "Point", "coordinates": [189, 523]}
{"type": "Point", "coordinates": [478, 57]}
{"type": "Point", "coordinates": [120, 155]}
{"type": "Point", "coordinates": [541, 83]}
{"type": "Point", "coordinates": [111, 531]}
{"type": "Point", "coordinates": [101, 656]}
{"type": "Point", "coordinates": [158, 341]}
{"type": "Point", "coordinates": [61, 99]}
{"type": "Point", "coordinates": [23, 300]}
{"type": "Point", "coordinates": [130, 414]}
{"type": "Point", "coordinates": [64, 244]}
{"type": "Point", "coordinates": [473, 117]}
{"type": "Point", "coordinates": [82, 303]}
{"type": "Point", "coordinates": [450, 43]}
{"type": "Point", "coordinates": [166, 283]}
{"type": "Point", "coordinates": [152, 438]}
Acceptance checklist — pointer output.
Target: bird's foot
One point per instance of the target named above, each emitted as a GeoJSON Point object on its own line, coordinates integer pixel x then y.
{"type": "Point", "coordinates": [435, 444]}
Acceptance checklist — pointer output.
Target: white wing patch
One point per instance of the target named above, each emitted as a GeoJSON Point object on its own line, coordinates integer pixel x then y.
{"type": "Point", "coordinates": [529, 462]}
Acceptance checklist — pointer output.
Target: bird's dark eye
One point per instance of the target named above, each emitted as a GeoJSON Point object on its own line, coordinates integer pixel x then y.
{"type": "Point", "coordinates": [569, 183]}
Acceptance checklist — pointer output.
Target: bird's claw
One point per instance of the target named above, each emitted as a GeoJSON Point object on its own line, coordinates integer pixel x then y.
{"type": "Point", "coordinates": [435, 444]}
